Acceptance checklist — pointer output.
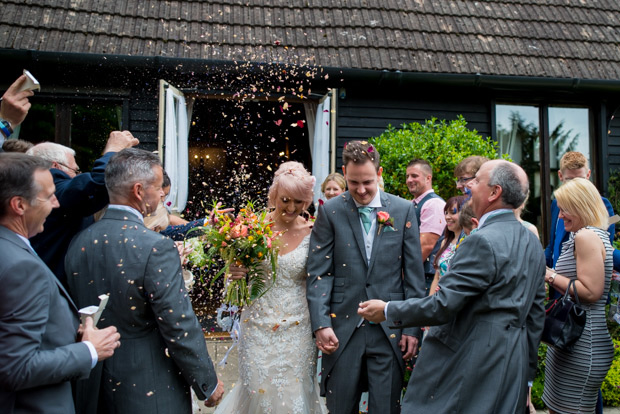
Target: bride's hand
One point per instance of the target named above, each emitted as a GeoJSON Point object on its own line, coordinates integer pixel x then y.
{"type": "Point", "coordinates": [217, 395]}
{"type": "Point", "coordinates": [237, 272]}
{"type": "Point", "coordinates": [212, 220]}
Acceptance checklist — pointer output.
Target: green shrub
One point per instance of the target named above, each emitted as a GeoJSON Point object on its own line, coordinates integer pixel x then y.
{"type": "Point", "coordinates": [539, 381]}
{"type": "Point", "coordinates": [442, 144]}
{"type": "Point", "coordinates": [611, 383]}
{"type": "Point", "coordinates": [610, 386]}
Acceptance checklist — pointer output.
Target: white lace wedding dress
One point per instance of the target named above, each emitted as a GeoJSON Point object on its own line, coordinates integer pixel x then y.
{"type": "Point", "coordinates": [277, 354]}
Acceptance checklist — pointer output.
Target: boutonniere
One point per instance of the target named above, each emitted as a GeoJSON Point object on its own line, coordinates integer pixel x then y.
{"type": "Point", "coordinates": [384, 220]}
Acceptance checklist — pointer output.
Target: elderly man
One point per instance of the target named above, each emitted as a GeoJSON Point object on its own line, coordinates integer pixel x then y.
{"type": "Point", "coordinates": [38, 320]}
{"type": "Point", "coordinates": [489, 309]}
{"type": "Point", "coordinates": [80, 196]}
{"type": "Point", "coordinates": [165, 351]}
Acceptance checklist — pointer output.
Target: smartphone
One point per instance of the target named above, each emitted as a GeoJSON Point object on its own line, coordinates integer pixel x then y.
{"type": "Point", "coordinates": [31, 83]}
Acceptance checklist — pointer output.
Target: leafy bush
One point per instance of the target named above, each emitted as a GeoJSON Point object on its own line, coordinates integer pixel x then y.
{"type": "Point", "coordinates": [611, 383]}
{"type": "Point", "coordinates": [442, 144]}
{"type": "Point", "coordinates": [539, 381]}
{"type": "Point", "coordinates": [610, 386]}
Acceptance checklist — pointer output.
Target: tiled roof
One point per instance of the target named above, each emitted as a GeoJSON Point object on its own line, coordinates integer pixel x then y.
{"type": "Point", "coordinates": [541, 38]}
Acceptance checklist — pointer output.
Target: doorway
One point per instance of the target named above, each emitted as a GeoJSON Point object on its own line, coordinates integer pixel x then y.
{"type": "Point", "coordinates": [235, 147]}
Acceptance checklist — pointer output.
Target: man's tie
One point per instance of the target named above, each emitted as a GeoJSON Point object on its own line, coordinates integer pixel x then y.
{"type": "Point", "coordinates": [365, 216]}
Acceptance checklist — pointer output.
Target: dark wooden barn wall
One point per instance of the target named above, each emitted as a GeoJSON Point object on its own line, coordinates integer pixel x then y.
{"type": "Point", "coordinates": [143, 118]}
{"type": "Point", "coordinates": [613, 142]}
{"type": "Point", "coordinates": [365, 117]}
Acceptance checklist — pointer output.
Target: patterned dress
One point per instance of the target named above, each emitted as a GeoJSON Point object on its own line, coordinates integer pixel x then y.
{"type": "Point", "coordinates": [572, 380]}
{"type": "Point", "coordinates": [277, 355]}
{"type": "Point", "coordinates": [443, 263]}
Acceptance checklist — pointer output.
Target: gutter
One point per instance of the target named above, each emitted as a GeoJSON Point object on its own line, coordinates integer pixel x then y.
{"type": "Point", "coordinates": [343, 76]}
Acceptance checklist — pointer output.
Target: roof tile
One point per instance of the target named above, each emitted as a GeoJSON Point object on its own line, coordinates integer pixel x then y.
{"type": "Point", "coordinates": [556, 38]}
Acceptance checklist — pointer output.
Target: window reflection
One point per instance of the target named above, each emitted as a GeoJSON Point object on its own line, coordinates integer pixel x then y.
{"type": "Point", "coordinates": [568, 131]}
{"type": "Point", "coordinates": [518, 134]}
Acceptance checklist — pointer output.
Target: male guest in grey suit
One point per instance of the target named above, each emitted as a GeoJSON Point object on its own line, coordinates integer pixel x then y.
{"type": "Point", "coordinates": [373, 252]}
{"type": "Point", "coordinates": [164, 350]}
{"type": "Point", "coordinates": [38, 320]}
{"type": "Point", "coordinates": [489, 307]}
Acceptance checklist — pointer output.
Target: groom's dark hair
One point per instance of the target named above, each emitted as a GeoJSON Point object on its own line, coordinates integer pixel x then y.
{"type": "Point", "coordinates": [359, 152]}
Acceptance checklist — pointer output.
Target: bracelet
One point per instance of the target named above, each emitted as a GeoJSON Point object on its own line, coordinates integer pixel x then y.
{"type": "Point", "coordinates": [5, 127]}
{"type": "Point", "coordinates": [552, 278]}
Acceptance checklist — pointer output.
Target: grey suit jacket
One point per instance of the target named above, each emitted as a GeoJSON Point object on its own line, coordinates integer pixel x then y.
{"type": "Point", "coordinates": [163, 349]}
{"type": "Point", "coordinates": [339, 276]}
{"type": "Point", "coordinates": [491, 314]}
{"type": "Point", "coordinates": [38, 333]}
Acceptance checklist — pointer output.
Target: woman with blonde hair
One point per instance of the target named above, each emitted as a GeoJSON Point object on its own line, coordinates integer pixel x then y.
{"type": "Point", "coordinates": [333, 185]}
{"type": "Point", "coordinates": [277, 354]}
{"type": "Point", "coordinates": [572, 379]}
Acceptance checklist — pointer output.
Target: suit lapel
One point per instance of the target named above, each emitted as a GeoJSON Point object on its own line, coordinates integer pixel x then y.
{"type": "Point", "coordinates": [385, 206]}
{"type": "Point", "coordinates": [356, 227]}
{"type": "Point", "coordinates": [13, 238]}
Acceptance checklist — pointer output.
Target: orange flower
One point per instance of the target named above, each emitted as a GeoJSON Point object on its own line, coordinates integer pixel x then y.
{"type": "Point", "coordinates": [239, 230]}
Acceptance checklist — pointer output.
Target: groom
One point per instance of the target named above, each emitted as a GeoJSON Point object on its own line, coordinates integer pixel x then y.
{"type": "Point", "coordinates": [364, 244]}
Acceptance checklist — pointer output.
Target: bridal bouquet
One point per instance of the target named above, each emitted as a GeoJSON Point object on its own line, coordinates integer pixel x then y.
{"type": "Point", "coordinates": [245, 240]}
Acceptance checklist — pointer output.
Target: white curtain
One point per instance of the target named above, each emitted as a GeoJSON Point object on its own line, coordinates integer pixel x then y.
{"type": "Point", "coordinates": [310, 109]}
{"type": "Point", "coordinates": [320, 146]}
{"type": "Point", "coordinates": [176, 161]}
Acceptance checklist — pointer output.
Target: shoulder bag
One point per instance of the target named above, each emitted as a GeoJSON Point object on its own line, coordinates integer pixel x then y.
{"type": "Point", "coordinates": [564, 321]}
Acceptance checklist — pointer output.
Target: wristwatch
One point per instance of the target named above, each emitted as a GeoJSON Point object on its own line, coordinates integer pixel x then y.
{"type": "Point", "coordinates": [552, 278]}
{"type": "Point", "coordinates": [5, 128]}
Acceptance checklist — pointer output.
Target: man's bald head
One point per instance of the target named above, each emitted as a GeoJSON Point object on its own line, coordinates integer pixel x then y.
{"type": "Point", "coordinates": [511, 178]}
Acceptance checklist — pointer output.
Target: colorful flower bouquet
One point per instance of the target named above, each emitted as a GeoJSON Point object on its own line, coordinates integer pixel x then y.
{"type": "Point", "coordinates": [245, 240]}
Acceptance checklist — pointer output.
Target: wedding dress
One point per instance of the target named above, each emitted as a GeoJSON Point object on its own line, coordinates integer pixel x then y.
{"type": "Point", "coordinates": [277, 354]}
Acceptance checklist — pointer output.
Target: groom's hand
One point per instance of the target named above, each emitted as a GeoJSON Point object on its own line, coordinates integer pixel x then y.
{"type": "Point", "coordinates": [216, 397]}
{"type": "Point", "coordinates": [408, 346]}
{"type": "Point", "coordinates": [326, 340]}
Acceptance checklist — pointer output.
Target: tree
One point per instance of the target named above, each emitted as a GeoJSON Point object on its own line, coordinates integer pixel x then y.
{"type": "Point", "coordinates": [442, 144]}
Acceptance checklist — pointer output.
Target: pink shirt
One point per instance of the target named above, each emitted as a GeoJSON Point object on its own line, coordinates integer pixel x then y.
{"type": "Point", "coordinates": [432, 217]}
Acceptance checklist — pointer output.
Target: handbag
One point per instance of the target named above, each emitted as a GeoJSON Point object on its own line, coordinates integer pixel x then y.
{"type": "Point", "coordinates": [564, 321]}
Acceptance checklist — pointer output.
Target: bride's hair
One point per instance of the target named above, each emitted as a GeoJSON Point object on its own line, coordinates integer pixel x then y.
{"type": "Point", "coordinates": [293, 179]}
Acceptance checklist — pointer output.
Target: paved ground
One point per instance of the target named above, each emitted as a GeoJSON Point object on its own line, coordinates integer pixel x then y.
{"type": "Point", "coordinates": [229, 374]}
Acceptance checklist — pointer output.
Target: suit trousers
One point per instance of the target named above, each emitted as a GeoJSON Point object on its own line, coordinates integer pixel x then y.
{"type": "Point", "coordinates": [367, 364]}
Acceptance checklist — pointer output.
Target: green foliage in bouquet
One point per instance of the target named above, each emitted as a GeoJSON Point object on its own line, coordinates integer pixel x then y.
{"type": "Point", "coordinates": [245, 240]}
{"type": "Point", "coordinates": [443, 144]}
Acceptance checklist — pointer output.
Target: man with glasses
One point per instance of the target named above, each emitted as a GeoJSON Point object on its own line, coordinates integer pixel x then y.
{"type": "Point", "coordinates": [80, 196]}
{"type": "Point", "coordinates": [466, 170]}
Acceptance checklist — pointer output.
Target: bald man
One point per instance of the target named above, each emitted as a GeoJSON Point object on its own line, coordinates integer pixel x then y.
{"type": "Point", "coordinates": [488, 314]}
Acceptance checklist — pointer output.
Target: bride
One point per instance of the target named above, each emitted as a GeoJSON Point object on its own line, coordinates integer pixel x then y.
{"type": "Point", "coordinates": [277, 355]}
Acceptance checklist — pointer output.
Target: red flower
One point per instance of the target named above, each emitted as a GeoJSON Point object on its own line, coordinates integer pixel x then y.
{"type": "Point", "coordinates": [383, 217]}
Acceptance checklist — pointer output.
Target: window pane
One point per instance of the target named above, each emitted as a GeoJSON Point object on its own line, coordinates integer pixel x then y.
{"type": "Point", "coordinates": [91, 125]}
{"type": "Point", "coordinates": [518, 135]}
{"type": "Point", "coordinates": [39, 124]}
{"type": "Point", "coordinates": [569, 130]}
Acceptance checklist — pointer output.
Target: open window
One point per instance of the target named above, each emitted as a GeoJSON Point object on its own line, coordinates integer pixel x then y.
{"type": "Point", "coordinates": [174, 123]}
{"type": "Point", "coordinates": [322, 133]}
